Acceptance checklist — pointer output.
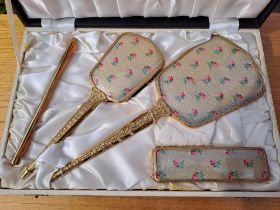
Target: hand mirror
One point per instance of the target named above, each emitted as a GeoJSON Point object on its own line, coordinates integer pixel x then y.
{"type": "Point", "coordinates": [202, 85]}
{"type": "Point", "coordinates": [128, 64]}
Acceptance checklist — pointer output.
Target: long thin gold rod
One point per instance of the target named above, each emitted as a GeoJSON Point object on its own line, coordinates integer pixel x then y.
{"type": "Point", "coordinates": [26, 141]}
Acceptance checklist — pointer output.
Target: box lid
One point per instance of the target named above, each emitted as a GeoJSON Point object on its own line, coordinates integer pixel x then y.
{"type": "Point", "coordinates": [144, 13]}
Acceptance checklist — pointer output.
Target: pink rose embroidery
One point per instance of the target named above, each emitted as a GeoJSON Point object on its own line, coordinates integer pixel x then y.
{"type": "Point", "coordinates": [237, 98]}
{"type": "Point", "coordinates": [265, 175]}
{"type": "Point", "coordinates": [188, 80]}
{"type": "Point", "coordinates": [248, 66]}
{"type": "Point", "coordinates": [174, 112]}
{"type": "Point", "coordinates": [228, 152]}
{"type": "Point", "coordinates": [111, 78]}
{"type": "Point", "coordinates": [195, 177]}
{"type": "Point", "coordinates": [193, 114]}
{"type": "Point", "coordinates": [233, 175]}
{"type": "Point", "coordinates": [178, 164]}
{"type": "Point", "coordinates": [175, 162]}
{"type": "Point", "coordinates": [196, 151]}
{"type": "Point", "coordinates": [161, 174]}
{"type": "Point", "coordinates": [176, 65]}
{"type": "Point", "coordinates": [212, 64]}
{"type": "Point", "coordinates": [232, 151]}
{"type": "Point", "coordinates": [248, 163]}
{"type": "Point", "coordinates": [207, 79]}
{"type": "Point", "coordinates": [216, 163]}
{"type": "Point", "coordinates": [146, 69]}
{"type": "Point", "coordinates": [160, 152]}
{"type": "Point", "coordinates": [218, 51]}
{"type": "Point", "coordinates": [135, 41]}
{"type": "Point", "coordinates": [212, 114]}
{"type": "Point", "coordinates": [115, 61]}
{"type": "Point", "coordinates": [163, 96]}
{"type": "Point", "coordinates": [231, 65]}
{"type": "Point", "coordinates": [198, 175]}
{"type": "Point", "coordinates": [149, 53]}
{"type": "Point", "coordinates": [131, 56]}
{"type": "Point", "coordinates": [95, 81]}
{"type": "Point", "coordinates": [215, 114]}
{"type": "Point", "coordinates": [194, 111]}
{"type": "Point", "coordinates": [180, 96]}
{"type": "Point", "coordinates": [244, 81]}
{"type": "Point", "coordinates": [200, 95]}
{"type": "Point", "coordinates": [194, 64]}
{"type": "Point", "coordinates": [200, 50]}
{"type": "Point", "coordinates": [124, 92]}
{"type": "Point", "coordinates": [129, 73]}
{"type": "Point", "coordinates": [100, 66]}
{"type": "Point", "coordinates": [235, 50]}
{"type": "Point", "coordinates": [260, 152]}
{"type": "Point", "coordinates": [169, 80]}
{"type": "Point", "coordinates": [219, 97]}
{"type": "Point", "coordinates": [225, 80]}
{"type": "Point", "coordinates": [118, 45]}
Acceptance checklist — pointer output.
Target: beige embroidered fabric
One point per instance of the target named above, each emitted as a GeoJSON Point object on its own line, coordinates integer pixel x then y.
{"type": "Point", "coordinates": [195, 89]}
{"type": "Point", "coordinates": [209, 81]}
{"type": "Point", "coordinates": [210, 164]}
{"type": "Point", "coordinates": [131, 62]}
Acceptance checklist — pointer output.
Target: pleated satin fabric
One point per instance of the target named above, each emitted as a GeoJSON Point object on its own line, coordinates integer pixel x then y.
{"type": "Point", "coordinates": [129, 164]}
{"type": "Point", "coordinates": [147, 8]}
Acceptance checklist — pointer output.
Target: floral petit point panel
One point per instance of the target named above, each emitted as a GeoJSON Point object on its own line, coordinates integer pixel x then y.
{"type": "Point", "coordinates": [211, 80]}
{"type": "Point", "coordinates": [210, 164]}
{"type": "Point", "coordinates": [128, 64]}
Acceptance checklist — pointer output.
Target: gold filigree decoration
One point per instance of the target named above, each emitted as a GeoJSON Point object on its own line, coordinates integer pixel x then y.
{"type": "Point", "coordinates": [161, 109]}
{"type": "Point", "coordinates": [96, 97]}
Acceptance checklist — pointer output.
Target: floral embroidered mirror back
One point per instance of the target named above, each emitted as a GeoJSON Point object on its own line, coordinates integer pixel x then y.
{"type": "Point", "coordinates": [205, 83]}
{"type": "Point", "coordinates": [209, 81]}
{"type": "Point", "coordinates": [131, 62]}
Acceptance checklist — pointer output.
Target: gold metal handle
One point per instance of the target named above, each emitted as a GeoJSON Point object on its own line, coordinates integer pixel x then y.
{"type": "Point", "coordinates": [96, 97]}
{"type": "Point", "coordinates": [24, 145]}
{"type": "Point", "coordinates": [161, 109]}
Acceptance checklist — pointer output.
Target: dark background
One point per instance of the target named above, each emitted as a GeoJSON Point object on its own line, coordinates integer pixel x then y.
{"type": "Point", "coordinates": [3, 10]}
{"type": "Point", "coordinates": [277, 9]}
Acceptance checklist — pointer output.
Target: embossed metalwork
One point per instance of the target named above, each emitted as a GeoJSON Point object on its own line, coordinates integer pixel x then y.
{"type": "Point", "coordinates": [161, 109]}
{"type": "Point", "coordinates": [96, 97]}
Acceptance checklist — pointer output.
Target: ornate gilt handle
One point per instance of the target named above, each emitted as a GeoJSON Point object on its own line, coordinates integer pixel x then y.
{"type": "Point", "coordinates": [161, 109]}
{"type": "Point", "coordinates": [96, 97]}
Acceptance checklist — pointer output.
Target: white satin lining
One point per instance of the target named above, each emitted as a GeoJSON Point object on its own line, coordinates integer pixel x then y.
{"type": "Point", "coordinates": [148, 8]}
{"type": "Point", "coordinates": [127, 165]}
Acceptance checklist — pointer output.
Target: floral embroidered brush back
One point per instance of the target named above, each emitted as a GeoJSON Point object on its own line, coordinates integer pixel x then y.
{"type": "Point", "coordinates": [131, 62]}
{"type": "Point", "coordinates": [211, 80]}
{"type": "Point", "coordinates": [210, 164]}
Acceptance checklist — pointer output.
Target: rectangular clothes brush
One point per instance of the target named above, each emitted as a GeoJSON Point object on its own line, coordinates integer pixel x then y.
{"type": "Point", "coordinates": [206, 163]}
